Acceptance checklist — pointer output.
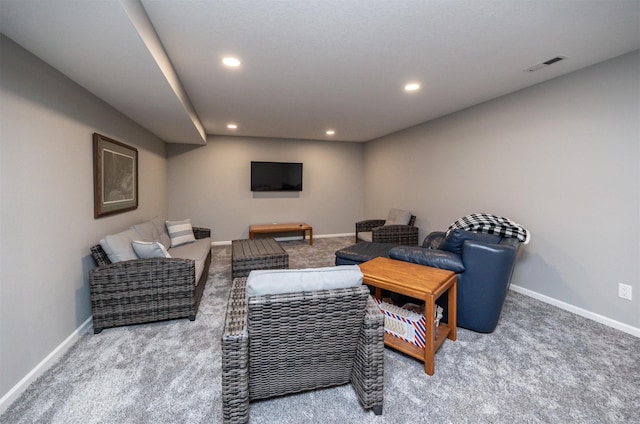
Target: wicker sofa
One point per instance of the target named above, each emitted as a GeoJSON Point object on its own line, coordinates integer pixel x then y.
{"type": "Point", "coordinates": [134, 291]}
{"type": "Point", "coordinates": [279, 342]}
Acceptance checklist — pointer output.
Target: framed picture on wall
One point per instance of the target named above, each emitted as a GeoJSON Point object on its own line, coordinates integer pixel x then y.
{"type": "Point", "coordinates": [115, 176]}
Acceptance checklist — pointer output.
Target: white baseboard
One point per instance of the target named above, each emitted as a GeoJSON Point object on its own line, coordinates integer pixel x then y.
{"type": "Point", "coordinates": [634, 331]}
{"type": "Point", "coordinates": [228, 242]}
{"type": "Point", "coordinates": [43, 366]}
{"type": "Point", "coordinates": [336, 235]}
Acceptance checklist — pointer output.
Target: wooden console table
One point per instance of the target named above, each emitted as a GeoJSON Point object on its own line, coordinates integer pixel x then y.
{"type": "Point", "coordinates": [282, 228]}
{"type": "Point", "coordinates": [420, 282]}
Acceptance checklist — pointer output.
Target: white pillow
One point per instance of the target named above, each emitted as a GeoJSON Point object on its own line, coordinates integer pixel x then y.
{"type": "Point", "coordinates": [398, 217]}
{"type": "Point", "coordinates": [149, 250]}
{"type": "Point", "coordinates": [180, 232]}
{"type": "Point", "coordinates": [118, 246]}
{"type": "Point", "coordinates": [278, 281]}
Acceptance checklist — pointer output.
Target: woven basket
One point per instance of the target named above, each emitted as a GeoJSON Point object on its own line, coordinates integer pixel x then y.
{"type": "Point", "coordinates": [406, 325]}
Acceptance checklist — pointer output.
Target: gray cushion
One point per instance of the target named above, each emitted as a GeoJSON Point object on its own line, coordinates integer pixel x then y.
{"type": "Point", "coordinates": [278, 281]}
{"type": "Point", "coordinates": [365, 235]}
{"type": "Point", "coordinates": [398, 217]}
{"type": "Point", "coordinates": [196, 251]}
{"type": "Point", "coordinates": [147, 231]}
{"type": "Point", "coordinates": [180, 232]}
{"type": "Point", "coordinates": [163, 235]}
{"type": "Point", "coordinates": [118, 246]}
{"type": "Point", "coordinates": [149, 249]}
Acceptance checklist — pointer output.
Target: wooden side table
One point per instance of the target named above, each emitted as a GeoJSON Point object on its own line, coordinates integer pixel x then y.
{"type": "Point", "coordinates": [420, 282]}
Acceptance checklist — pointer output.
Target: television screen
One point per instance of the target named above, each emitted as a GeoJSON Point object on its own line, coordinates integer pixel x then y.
{"type": "Point", "coordinates": [276, 176]}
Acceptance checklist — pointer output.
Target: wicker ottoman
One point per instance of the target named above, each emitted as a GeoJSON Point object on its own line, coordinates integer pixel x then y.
{"type": "Point", "coordinates": [263, 253]}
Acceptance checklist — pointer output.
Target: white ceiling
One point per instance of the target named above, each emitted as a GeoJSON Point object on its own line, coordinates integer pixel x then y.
{"type": "Point", "coordinates": [308, 66]}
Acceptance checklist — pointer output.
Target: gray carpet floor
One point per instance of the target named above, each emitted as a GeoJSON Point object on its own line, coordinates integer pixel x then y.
{"type": "Point", "coordinates": [541, 365]}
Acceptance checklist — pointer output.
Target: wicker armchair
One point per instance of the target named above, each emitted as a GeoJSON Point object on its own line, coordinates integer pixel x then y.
{"type": "Point", "coordinates": [145, 290]}
{"type": "Point", "coordinates": [274, 345]}
{"type": "Point", "coordinates": [380, 233]}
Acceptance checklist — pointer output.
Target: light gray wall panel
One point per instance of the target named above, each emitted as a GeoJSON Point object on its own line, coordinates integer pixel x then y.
{"type": "Point", "coordinates": [561, 158]}
{"type": "Point", "coordinates": [46, 196]}
{"type": "Point", "coordinates": [211, 185]}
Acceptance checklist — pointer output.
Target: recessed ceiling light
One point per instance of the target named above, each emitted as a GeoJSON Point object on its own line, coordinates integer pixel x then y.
{"type": "Point", "coordinates": [231, 62]}
{"type": "Point", "coordinates": [232, 126]}
{"type": "Point", "coordinates": [330, 132]}
{"type": "Point", "coordinates": [412, 86]}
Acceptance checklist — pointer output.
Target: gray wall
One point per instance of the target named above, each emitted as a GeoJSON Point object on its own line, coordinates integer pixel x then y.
{"type": "Point", "coordinates": [211, 185]}
{"type": "Point", "coordinates": [561, 158]}
{"type": "Point", "coordinates": [46, 197]}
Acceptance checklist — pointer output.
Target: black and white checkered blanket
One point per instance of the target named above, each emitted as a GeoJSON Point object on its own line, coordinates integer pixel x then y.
{"type": "Point", "coordinates": [492, 224]}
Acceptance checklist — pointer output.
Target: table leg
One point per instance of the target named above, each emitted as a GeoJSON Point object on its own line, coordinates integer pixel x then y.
{"type": "Point", "coordinates": [251, 235]}
{"type": "Point", "coordinates": [310, 236]}
{"type": "Point", "coordinates": [452, 310]}
{"type": "Point", "coordinates": [430, 337]}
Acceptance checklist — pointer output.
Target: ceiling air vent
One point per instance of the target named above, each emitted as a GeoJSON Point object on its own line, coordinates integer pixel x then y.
{"type": "Point", "coordinates": [545, 64]}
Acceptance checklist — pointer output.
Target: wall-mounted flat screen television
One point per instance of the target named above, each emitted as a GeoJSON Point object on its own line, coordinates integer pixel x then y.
{"type": "Point", "coordinates": [276, 176]}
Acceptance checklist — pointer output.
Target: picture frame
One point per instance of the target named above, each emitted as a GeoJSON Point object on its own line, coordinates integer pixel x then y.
{"type": "Point", "coordinates": [115, 176]}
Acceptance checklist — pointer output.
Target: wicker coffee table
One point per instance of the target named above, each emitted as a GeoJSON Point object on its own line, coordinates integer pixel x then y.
{"type": "Point", "coordinates": [264, 253]}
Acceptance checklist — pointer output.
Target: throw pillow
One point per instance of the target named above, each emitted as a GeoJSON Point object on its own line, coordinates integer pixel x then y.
{"type": "Point", "coordinates": [279, 281]}
{"type": "Point", "coordinates": [149, 250]}
{"type": "Point", "coordinates": [118, 246]}
{"type": "Point", "coordinates": [147, 231]}
{"type": "Point", "coordinates": [163, 236]}
{"type": "Point", "coordinates": [180, 232]}
{"type": "Point", "coordinates": [398, 217]}
{"type": "Point", "coordinates": [455, 239]}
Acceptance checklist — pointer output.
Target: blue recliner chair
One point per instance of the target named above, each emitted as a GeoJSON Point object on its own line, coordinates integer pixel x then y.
{"type": "Point", "coordinates": [483, 264]}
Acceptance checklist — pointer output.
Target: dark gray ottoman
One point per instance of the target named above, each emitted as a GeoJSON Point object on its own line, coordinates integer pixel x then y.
{"type": "Point", "coordinates": [264, 253]}
{"type": "Point", "coordinates": [362, 252]}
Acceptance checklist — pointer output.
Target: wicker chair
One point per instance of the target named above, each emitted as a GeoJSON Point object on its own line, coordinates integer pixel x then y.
{"type": "Point", "coordinates": [145, 290]}
{"type": "Point", "coordinates": [274, 345]}
{"type": "Point", "coordinates": [380, 233]}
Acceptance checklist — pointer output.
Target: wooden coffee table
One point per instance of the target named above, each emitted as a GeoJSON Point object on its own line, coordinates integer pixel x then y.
{"type": "Point", "coordinates": [282, 228]}
{"type": "Point", "coordinates": [420, 282]}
